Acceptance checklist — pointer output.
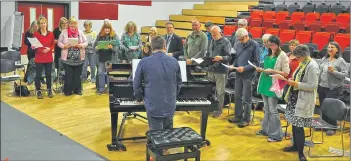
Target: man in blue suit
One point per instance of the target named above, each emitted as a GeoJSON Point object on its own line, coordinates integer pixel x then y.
{"type": "Point", "coordinates": [157, 82]}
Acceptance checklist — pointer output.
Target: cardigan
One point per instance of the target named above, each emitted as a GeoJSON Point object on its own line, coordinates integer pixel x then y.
{"type": "Point", "coordinates": [307, 91]}
{"type": "Point", "coordinates": [63, 39]}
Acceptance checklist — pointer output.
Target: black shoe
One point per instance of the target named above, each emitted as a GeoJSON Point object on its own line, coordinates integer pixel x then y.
{"type": "Point", "coordinates": [68, 94]}
{"type": "Point", "coordinates": [261, 132]}
{"type": "Point", "coordinates": [39, 94]}
{"type": "Point", "coordinates": [290, 149]}
{"type": "Point", "coordinates": [234, 120]}
{"type": "Point", "coordinates": [50, 93]}
{"type": "Point", "coordinates": [302, 158]}
{"type": "Point", "coordinates": [243, 124]}
{"type": "Point", "coordinates": [78, 93]}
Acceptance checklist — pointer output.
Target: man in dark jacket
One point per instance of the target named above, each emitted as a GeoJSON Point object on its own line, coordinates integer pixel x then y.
{"type": "Point", "coordinates": [174, 43]}
{"type": "Point", "coordinates": [218, 49]}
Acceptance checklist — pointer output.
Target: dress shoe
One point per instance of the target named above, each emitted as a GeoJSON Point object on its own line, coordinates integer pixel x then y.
{"type": "Point", "coordinates": [243, 124]}
{"type": "Point", "coordinates": [39, 94]}
{"type": "Point", "coordinates": [290, 149]}
{"type": "Point", "coordinates": [302, 158]}
{"type": "Point", "coordinates": [234, 120]}
{"type": "Point", "coordinates": [78, 93]}
{"type": "Point", "coordinates": [50, 93]}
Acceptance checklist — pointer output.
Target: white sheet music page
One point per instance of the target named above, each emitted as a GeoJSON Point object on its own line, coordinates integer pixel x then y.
{"type": "Point", "coordinates": [34, 42]}
{"type": "Point", "coordinates": [135, 63]}
{"type": "Point", "coordinates": [198, 60]}
{"type": "Point", "coordinates": [73, 41]}
{"type": "Point", "coordinates": [182, 65]}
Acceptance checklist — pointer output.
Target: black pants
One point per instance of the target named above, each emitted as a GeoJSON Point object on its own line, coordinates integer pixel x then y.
{"type": "Point", "coordinates": [327, 93]}
{"type": "Point", "coordinates": [38, 73]}
{"type": "Point", "coordinates": [299, 138]}
{"type": "Point", "coordinates": [72, 80]}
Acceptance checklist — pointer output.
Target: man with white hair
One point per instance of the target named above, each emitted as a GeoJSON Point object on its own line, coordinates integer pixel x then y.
{"type": "Point", "coordinates": [218, 49]}
{"type": "Point", "coordinates": [242, 23]}
{"type": "Point", "coordinates": [246, 50]}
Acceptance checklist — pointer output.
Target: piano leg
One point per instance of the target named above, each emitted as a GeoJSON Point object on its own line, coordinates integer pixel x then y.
{"type": "Point", "coordinates": [204, 118]}
{"type": "Point", "coordinates": [115, 145]}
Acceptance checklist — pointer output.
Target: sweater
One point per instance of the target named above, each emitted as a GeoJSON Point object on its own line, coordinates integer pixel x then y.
{"type": "Point", "coordinates": [47, 41]}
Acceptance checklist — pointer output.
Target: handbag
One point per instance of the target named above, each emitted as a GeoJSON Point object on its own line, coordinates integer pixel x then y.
{"type": "Point", "coordinates": [278, 87]}
{"type": "Point", "coordinates": [21, 90]}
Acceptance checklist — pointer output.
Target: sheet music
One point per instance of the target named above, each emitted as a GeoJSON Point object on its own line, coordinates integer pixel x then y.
{"type": "Point", "coordinates": [73, 41]}
{"type": "Point", "coordinates": [198, 60]}
{"type": "Point", "coordinates": [182, 65]}
{"type": "Point", "coordinates": [135, 63]}
{"type": "Point", "coordinates": [228, 66]}
{"type": "Point", "coordinates": [89, 38]}
{"type": "Point", "coordinates": [252, 64]}
{"type": "Point", "coordinates": [34, 42]}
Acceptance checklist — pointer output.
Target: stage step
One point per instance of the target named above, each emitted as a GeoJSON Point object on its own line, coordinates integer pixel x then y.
{"type": "Point", "coordinates": [217, 13]}
{"type": "Point", "coordinates": [202, 19]}
{"type": "Point", "coordinates": [178, 25]}
{"type": "Point", "coordinates": [221, 7]}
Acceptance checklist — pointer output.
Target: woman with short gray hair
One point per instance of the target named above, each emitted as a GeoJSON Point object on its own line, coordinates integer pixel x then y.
{"type": "Point", "coordinates": [301, 97]}
{"type": "Point", "coordinates": [90, 52]}
{"type": "Point", "coordinates": [265, 48]}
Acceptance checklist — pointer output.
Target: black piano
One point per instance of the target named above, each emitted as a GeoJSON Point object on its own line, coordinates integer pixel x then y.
{"type": "Point", "coordinates": [193, 96]}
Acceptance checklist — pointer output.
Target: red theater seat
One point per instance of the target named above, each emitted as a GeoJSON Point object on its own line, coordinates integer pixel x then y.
{"type": "Point", "coordinates": [256, 32]}
{"type": "Point", "coordinates": [344, 19]}
{"type": "Point", "coordinates": [228, 29]}
{"type": "Point", "coordinates": [256, 14]}
{"type": "Point", "coordinates": [297, 16]}
{"type": "Point", "coordinates": [327, 18]}
{"type": "Point", "coordinates": [286, 35]}
{"type": "Point", "coordinates": [304, 37]}
{"type": "Point", "coordinates": [321, 39]}
{"type": "Point", "coordinates": [256, 22]}
{"type": "Point", "coordinates": [272, 31]}
{"type": "Point", "coordinates": [281, 16]}
{"type": "Point", "coordinates": [343, 40]}
{"type": "Point", "coordinates": [312, 16]}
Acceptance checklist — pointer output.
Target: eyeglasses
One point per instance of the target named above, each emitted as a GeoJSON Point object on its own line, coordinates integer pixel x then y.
{"type": "Point", "coordinates": [271, 44]}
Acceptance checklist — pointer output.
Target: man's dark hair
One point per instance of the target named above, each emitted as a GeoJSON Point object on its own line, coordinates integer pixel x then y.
{"type": "Point", "coordinates": [158, 43]}
{"type": "Point", "coordinates": [169, 23]}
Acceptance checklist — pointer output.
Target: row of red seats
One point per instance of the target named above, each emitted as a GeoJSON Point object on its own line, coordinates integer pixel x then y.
{"type": "Point", "coordinates": [258, 17]}
{"type": "Point", "coordinates": [304, 37]}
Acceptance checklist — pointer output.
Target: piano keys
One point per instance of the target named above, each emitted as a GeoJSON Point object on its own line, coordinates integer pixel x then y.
{"type": "Point", "coordinates": [193, 96]}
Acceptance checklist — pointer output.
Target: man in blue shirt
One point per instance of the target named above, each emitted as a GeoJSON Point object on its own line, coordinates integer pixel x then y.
{"type": "Point", "coordinates": [158, 81]}
{"type": "Point", "coordinates": [208, 26]}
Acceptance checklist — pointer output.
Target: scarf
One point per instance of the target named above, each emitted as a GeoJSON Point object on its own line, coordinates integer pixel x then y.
{"type": "Point", "coordinates": [300, 69]}
{"type": "Point", "coordinates": [72, 33]}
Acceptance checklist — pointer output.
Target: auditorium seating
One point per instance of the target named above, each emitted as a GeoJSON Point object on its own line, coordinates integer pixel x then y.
{"type": "Point", "coordinates": [343, 40]}
{"type": "Point", "coordinates": [321, 39]}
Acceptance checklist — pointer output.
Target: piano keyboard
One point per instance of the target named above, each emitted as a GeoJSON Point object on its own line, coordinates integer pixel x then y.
{"type": "Point", "coordinates": [180, 102]}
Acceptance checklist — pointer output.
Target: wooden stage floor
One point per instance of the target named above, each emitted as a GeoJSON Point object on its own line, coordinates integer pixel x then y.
{"type": "Point", "coordinates": [86, 119]}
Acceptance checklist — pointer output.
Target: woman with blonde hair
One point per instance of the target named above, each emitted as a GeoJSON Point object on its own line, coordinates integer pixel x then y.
{"type": "Point", "coordinates": [107, 33]}
{"type": "Point", "coordinates": [43, 56]}
{"type": "Point", "coordinates": [30, 52]}
{"type": "Point", "coordinates": [130, 42]}
{"type": "Point", "coordinates": [89, 52]}
{"type": "Point", "coordinates": [72, 57]}
{"type": "Point", "coordinates": [152, 34]}
{"type": "Point", "coordinates": [63, 24]}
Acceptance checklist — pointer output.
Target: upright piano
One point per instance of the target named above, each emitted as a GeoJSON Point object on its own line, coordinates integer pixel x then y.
{"type": "Point", "coordinates": [195, 95]}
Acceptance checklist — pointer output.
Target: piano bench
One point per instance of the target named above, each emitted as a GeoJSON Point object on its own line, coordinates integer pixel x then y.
{"type": "Point", "coordinates": [159, 140]}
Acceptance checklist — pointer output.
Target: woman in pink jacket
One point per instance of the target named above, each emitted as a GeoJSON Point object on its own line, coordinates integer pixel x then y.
{"type": "Point", "coordinates": [72, 57]}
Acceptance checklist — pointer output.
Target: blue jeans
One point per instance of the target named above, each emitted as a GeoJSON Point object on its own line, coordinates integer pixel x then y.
{"type": "Point", "coordinates": [102, 77]}
{"type": "Point", "coordinates": [243, 98]}
{"type": "Point", "coordinates": [90, 59]}
{"type": "Point", "coordinates": [160, 123]}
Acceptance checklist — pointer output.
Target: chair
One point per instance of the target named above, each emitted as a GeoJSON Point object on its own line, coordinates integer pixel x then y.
{"type": "Point", "coordinates": [321, 39]}
{"type": "Point", "coordinates": [346, 55]}
{"type": "Point", "coordinates": [308, 8]}
{"type": "Point", "coordinates": [256, 22]}
{"type": "Point", "coordinates": [268, 7]}
{"type": "Point", "coordinates": [281, 7]}
{"type": "Point", "coordinates": [344, 19]}
{"type": "Point", "coordinates": [256, 14]}
{"type": "Point", "coordinates": [14, 56]}
{"type": "Point", "coordinates": [336, 110]}
{"type": "Point", "coordinates": [322, 8]}
{"type": "Point", "coordinates": [312, 16]}
{"type": "Point", "coordinates": [297, 16]}
{"type": "Point", "coordinates": [327, 18]}
{"type": "Point", "coordinates": [322, 53]}
{"type": "Point", "coordinates": [314, 26]}
{"type": "Point", "coordinates": [285, 25]}
{"type": "Point", "coordinates": [228, 29]}
{"type": "Point", "coordinates": [343, 40]}
{"type": "Point", "coordinates": [8, 66]}
{"type": "Point", "coordinates": [268, 23]}
{"type": "Point", "coordinates": [281, 16]}
{"type": "Point", "coordinates": [299, 26]}
{"type": "Point", "coordinates": [230, 92]}
{"type": "Point", "coordinates": [313, 49]}
{"type": "Point", "coordinates": [256, 32]}
{"type": "Point", "coordinates": [293, 8]}
{"type": "Point", "coordinates": [184, 137]}
{"type": "Point", "coordinates": [333, 27]}
{"type": "Point", "coordinates": [286, 35]}
{"type": "Point", "coordinates": [337, 8]}
{"type": "Point", "coordinates": [272, 31]}
{"type": "Point", "coordinates": [255, 102]}
{"type": "Point", "coordinates": [304, 37]}
{"type": "Point", "coordinates": [285, 48]}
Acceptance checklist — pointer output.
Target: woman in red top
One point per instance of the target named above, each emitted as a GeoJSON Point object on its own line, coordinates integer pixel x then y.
{"type": "Point", "coordinates": [293, 61]}
{"type": "Point", "coordinates": [43, 56]}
